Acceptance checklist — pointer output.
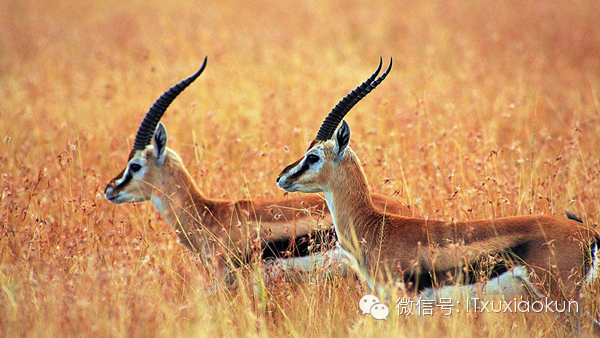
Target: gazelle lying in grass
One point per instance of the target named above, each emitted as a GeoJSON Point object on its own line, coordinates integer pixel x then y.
{"type": "Point", "coordinates": [553, 255]}
{"type": "Point", "coordinates": [220, 230]}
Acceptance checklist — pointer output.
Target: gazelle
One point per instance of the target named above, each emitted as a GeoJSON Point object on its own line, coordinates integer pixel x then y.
{"type": "Point", "coordinates": [220, 230]}
{"type": "Point", "coordinates": [552, 255]}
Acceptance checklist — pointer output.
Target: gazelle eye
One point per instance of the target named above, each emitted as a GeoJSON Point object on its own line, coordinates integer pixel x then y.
{"type": "Point", "coordinates": [134, 167]}
{"type": "Point", "coordinates": [311, 159]}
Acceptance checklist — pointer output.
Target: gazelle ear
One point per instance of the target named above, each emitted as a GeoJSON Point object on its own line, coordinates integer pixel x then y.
{"type": "Point", "coordinates": [342, 138]}
{"type": "Point", "coordinates": [160, 144]}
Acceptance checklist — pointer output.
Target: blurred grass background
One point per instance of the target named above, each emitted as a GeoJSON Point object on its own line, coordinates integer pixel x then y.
{"type": "Point", "coordinates": [492, 109]}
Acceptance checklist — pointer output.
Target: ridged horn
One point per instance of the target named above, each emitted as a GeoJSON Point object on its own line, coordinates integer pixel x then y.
{"type": "Point", "coordinates": [148, 126]}
{"type": "Point", "coordinates": [343, 107]}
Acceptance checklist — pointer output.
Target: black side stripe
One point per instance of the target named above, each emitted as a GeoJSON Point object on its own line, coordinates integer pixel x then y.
{"type": "Point", "coordinates": [300, 246]}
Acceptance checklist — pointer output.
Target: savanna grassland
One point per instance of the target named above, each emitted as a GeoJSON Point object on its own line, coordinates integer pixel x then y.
{"type": "Point", "coordinates": [492, 109]}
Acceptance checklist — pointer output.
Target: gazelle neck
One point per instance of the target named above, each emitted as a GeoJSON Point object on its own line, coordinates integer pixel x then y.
{"type": "Point", "coordinates": [181, 203]}
{"type": "Point", "coordinates": [348, 197]}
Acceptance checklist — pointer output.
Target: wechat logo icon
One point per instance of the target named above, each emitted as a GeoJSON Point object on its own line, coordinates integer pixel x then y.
{"type": "Point", "coordinates": [373, 306]}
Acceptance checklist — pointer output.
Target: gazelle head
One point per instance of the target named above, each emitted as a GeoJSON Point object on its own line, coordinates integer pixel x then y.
{"type": "Point", "coordinates": [137, 182]}
{"type": "Point", "coordinates": [314, 172]}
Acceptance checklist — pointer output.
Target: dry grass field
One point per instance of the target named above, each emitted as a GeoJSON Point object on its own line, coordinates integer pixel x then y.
{"type": "Point", "coordinates": [492, 109]}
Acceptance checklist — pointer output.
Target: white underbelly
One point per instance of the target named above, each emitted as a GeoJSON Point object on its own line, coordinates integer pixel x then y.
{"type": "Point", "coordinates": [512, 283]}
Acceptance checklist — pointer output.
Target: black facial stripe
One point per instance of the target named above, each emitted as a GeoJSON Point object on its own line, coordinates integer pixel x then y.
{"type": "Point", "coordinates": [128, 178]}
{"type": "Point", "coordinates": [301, 171]}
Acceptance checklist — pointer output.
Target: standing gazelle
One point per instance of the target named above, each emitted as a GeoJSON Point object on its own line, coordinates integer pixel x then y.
{"type": "Point", "coordinates": [554, 255]}
{"type": "Point", "coordinates": [221, 230]}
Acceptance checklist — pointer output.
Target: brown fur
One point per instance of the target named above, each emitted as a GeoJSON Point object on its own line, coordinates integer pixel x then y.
{"type": "Point", "coordinates": [390, 247]}
{"type": "Point", "coordinates": [224, 228]}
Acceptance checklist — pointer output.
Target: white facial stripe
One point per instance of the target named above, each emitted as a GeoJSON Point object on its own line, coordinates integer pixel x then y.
{"type": "Point", "coordinates": [304, 166]}
{"type": "Point", "coordinates": [298, 169]}
{"type": "Point", "coordinates": [127, 174]}
{"type": "Point", "coordinates": [317, 151]}
{"type": "Point", "coordinates": [122, 179]}
{"type": "Point", "coordinates": [301, 168]}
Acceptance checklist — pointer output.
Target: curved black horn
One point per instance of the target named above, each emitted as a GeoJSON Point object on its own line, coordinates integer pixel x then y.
{"type": "Point", "coordinates": [343, 107]}
{"type": "Point", "coordinates": [148, 126]}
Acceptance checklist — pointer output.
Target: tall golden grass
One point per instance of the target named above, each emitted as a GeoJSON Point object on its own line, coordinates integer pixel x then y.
{"type": "Point", "coordinates": [492, 109]}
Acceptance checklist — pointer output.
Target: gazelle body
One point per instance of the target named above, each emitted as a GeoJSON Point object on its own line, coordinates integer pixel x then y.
{"type": "Point", "coordinates": [221, 230]}
{"type": "Point", "coordinates": [557, 254]}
